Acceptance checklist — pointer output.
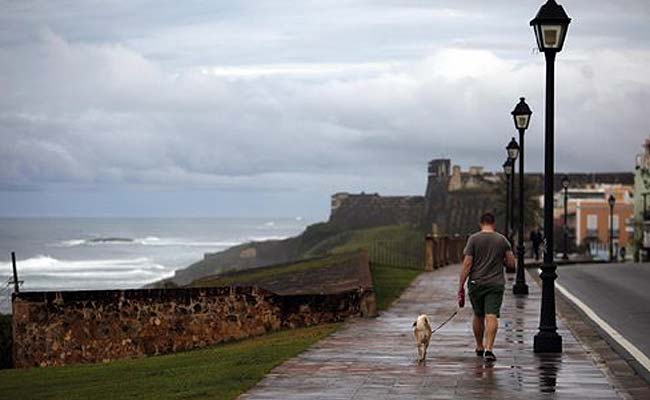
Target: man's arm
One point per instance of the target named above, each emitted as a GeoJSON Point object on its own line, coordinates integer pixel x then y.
{"type": "Point", "coordinates": [464, 273]}
{"type": "Point", "coordinates": [510, 261]}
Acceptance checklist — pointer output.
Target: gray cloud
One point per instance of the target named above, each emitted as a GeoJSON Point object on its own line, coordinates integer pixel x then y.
{"type": "Point", "coordinates": [263, 97]}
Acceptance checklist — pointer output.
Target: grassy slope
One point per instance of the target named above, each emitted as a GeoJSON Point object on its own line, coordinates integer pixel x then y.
{"type": "Point", "coordinates": [258, 274]}
{"type": "Point", "coordinates": [389, 282]}
{"type": "Point", "coordinates": [219, 372]}
{"type": "Point", "coordinates": [362, 238]}
{"type": "Point", "coordinates": [365, 237]}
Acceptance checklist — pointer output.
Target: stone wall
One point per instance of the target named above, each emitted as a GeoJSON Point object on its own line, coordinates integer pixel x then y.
{"type": "Point", "coordinates": [58, 328]}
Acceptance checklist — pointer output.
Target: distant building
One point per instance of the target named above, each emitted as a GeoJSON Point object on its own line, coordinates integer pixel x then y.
{"type": "Point", "coordinates": [588, 215]}
{"type": "Point", "coordinates": [593, 218]}
{"type": "Point", "coordinates": [455, 199]}
{"type": "Point", "coordinates": [642, 204]}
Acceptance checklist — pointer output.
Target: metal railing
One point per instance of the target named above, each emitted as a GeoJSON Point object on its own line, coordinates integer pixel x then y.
{"type": "Point", "coordinates": [398, 253]}
{"type": "Point", "coordinates": [430, 253]}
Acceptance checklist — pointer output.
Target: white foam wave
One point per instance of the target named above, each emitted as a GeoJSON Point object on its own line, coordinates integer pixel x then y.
{"type": "Point", "coordinates": [155, 241]}
{"type": "Point", "coordinates": [145, 241]}
{"type": "Point", "coordinates": [47, 273]}
{"type": "Point", "coordinates": [265, 238]}
{"type": "Point", "coordinates": [45, 264]}
{"type": "Point", "coordinates": [71, 243]}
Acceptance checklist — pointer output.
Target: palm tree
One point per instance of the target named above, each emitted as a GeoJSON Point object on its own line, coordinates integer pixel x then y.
{"type": "Point", "coordinates": [532, 209]}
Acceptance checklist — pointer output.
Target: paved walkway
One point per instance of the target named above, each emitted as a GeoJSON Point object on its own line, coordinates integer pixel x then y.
{"type": "Point", "coordinates": [375, 359]}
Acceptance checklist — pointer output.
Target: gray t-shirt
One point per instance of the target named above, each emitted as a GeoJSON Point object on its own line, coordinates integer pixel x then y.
{"type": "Point", "coordinates": [488, 251]}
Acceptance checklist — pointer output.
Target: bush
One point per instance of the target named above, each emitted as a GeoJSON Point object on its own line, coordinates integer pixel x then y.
{"type": "Point", "coordinates": [5, 342]}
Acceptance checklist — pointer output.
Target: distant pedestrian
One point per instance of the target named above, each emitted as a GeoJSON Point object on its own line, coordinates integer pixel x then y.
{"type": "Point", "coordinates": [622, 252]}
{"type": "Point", "coordinates": [536, 238]}
{"type": "Point", "coordinates": [486, 252]}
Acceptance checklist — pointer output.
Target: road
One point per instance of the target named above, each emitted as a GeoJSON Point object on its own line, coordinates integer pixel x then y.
{"type": "Point", "coordinates": [618, 293]}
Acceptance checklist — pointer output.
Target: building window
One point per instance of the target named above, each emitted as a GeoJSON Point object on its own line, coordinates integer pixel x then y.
{"type": "Point", "coordinates": [592, 226]}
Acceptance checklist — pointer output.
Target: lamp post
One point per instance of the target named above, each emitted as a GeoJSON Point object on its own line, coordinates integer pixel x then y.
{"type": "Point", "coordinates": [565, 186]}
{"type": "Point", "coordinates": [507, 172]}
{"type": "Point", "coordinates": [512, 149]}
{"type": "Point", "coordinates": [612, 203]}
{"type": "Point", "coordinates": [521, 116]}
{"type": "Point", "coordinates": [550, 26]}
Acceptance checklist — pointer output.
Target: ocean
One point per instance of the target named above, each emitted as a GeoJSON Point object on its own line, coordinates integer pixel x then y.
{"type": "Point", "coordinates": [118, 253]}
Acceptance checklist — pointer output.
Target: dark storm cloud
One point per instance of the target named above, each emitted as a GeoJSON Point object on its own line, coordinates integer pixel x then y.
{"type": "Point", "coordinates": [274, 97]}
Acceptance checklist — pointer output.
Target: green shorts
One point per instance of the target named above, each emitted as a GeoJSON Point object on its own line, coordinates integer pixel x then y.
{"type": "Point", "coordinates": [486, 299]}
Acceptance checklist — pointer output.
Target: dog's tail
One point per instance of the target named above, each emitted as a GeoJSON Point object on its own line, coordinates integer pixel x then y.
{"type": "Point", "coordinates": [427, 324]}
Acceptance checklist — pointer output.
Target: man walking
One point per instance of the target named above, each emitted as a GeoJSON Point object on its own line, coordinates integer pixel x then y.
{"type": "Point", "coordinates": [486, 252]}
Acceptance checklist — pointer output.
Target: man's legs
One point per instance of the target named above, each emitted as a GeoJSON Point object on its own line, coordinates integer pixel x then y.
{"type": "Point", "coordinates": [479, 329]}
{"type": "Point", "coordinates": [491, 326]}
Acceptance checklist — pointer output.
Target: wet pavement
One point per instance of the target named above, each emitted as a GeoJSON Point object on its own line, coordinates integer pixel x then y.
{"type": "Point", "coordinates": [376, 358]}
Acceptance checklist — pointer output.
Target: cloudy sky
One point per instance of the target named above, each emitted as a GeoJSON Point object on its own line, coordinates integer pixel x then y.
{"type": "Point", "coordinates": [265, 108]}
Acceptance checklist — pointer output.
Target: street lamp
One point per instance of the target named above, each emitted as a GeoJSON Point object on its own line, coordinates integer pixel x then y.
{"type": "Point", "coordinates": [507, 172]}
{"type": "Point", "coordinates": [550, 26]}
{"type": "Point", "coordinates": [521, 116]}
{"type": "Point", "coordinates": [565, 186]}
{"type": "Point", "coordinates": [612, 203]}
{"type": "Point", "coordinates": [513, 152]}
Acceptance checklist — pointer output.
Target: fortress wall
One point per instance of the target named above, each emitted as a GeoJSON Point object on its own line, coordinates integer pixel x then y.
{"type": "Point", "coordinates": [59, 328]}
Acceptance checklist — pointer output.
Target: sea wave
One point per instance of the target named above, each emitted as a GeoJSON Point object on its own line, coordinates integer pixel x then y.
{"type": "Point", "coordinates": [265, 238]}
{"type": "Point", "coordinates": [44, 264]}
{"type": "Point", "coordinates": [145, 241]}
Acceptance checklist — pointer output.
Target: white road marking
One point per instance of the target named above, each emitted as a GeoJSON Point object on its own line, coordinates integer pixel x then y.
{"type": "Point", "coordinates": [613, 333]}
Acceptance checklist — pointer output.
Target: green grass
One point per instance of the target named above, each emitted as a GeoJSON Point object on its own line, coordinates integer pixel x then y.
{"type": "Point", "coordinates": [365, 237]}
{"type": "Point", "coordinates": [347, 241]}
{"type": "Point", "coordinates": [259, 274]}
{"type": "Point", "coordinates": [389, 282]}
{"type": "Point", "coordinates": [220, 372]}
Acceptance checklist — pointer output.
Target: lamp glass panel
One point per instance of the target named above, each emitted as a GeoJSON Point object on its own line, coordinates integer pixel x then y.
{"type": "Point", "coordinates": [551, 36]}
{"type": "Point", "coordinates": [513, 153]}
{"type": "Point", "coordinates": [522, 121]}
{"type": "Point", "coordinates": [507, 169]}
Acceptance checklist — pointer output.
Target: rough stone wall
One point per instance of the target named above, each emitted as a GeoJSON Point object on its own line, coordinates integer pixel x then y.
{"type": "Point", "coordinates": [58, 328]}
{"type": "Point", "coordinates": [369, 210]}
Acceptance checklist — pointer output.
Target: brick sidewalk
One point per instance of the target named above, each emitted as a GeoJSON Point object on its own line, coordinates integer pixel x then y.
{"type": "Point", "coordinates": [375, 359]}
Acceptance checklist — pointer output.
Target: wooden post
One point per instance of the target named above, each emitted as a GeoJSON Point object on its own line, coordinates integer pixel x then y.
{"type": "Point", "coordinates": [428, 253]}
{"type": "Point", "coordinates": [13, 263]}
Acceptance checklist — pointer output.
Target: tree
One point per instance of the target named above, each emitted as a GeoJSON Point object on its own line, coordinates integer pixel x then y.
{"type": "Point", "coordinates": [532, 209]}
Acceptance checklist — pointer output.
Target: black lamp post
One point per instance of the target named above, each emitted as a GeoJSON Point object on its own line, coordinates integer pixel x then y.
{"type": "Point", "coordinates": [521, 116]}
{"type": "Point", "coordinates": [612, 203]}
{"type": "Point", "coordinates": [550, 26]}
{"type": "Point", "coordinates": [512, 149]}
{"type": "Point", "coordinates": [507, 172]}
{"type": "Point", "coordinates": [565, 186]}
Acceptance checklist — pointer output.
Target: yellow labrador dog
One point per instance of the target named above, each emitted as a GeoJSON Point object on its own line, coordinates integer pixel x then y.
{"type": "Point", "coordinates": [422, 333]}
